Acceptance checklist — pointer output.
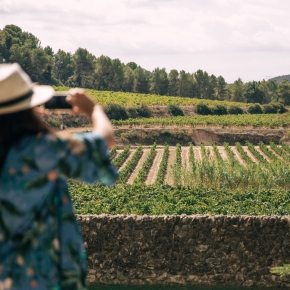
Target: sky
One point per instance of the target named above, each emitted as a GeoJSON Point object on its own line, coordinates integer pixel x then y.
{"type": "Point", "coordinates": [249, 39]}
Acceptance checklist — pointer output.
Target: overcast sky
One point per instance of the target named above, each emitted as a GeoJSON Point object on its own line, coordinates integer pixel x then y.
{"type": "Point", "coordinates": [233, 38]}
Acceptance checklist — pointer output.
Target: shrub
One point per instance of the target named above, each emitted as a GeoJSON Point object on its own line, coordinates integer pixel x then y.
{"type": "Point", "coordinates": [270, 108]}
{"type": "Point", "coordinates": [144, 111]}
{"type": "Point", "coordinates": [174, 110]}
{"type": "Point", "coordinates": [280, 108]}
{"type": "Point", "coordinates": [132, 112]}
{"type": "Point", "coordinates": [235, 110]}
{"type": "Point", "coordinates": [219, 110]}
{"type": "Point", "coordinates": [202, 109]}
{"type": "Point", "coordinates": [255, 109]}
{"type": "Point", "coordinates": [116, 111]}
{"type": "Point", "coordinates": [166, 134]}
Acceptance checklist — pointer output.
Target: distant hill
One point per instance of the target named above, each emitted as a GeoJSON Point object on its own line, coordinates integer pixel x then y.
{"type": "Point", "coordinates": [281, 78]}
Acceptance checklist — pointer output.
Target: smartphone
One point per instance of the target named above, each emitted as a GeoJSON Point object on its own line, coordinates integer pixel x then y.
{"type": "Point", "coordinates": [58, 102]}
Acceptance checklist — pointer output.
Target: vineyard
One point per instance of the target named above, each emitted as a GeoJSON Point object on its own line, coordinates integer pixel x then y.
{"type": "Point", "coordinates": [134, 99]}
{"type": "Point", "coordinates": [213, 166]}
{"type": "Point", "coordinates": [193, 180]}
{"type": "Point", "coordinates": [265, 120]}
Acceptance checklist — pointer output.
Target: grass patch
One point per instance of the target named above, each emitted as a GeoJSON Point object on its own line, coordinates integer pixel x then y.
{"type": "Point", "coordinates": [167, 200]}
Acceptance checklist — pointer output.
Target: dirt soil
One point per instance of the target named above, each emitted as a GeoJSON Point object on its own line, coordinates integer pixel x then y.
{"type": "Point", "coordinates": [155, 167]}
{"type": "Point", "coordinates": [172, 135]}
{"type": "Point", "coordinates": [138, 166]}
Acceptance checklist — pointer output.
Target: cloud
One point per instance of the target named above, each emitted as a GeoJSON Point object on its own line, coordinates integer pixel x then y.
{"type": "Point", "coordinates": [146, 29]}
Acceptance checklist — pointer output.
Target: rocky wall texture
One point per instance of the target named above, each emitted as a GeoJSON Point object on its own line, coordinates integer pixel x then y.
{"type": "Point", "coordinates": [187, 250]}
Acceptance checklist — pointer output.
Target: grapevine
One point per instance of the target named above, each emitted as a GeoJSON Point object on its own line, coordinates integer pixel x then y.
{"type": "Point", "coordinates": [162, 168]}
{"type": "Point", "coordinates": [119, 160]}
{"type": "Point", "coordinates": [129, 168]}
{"type": "Point", "coordinates": [142, 174]}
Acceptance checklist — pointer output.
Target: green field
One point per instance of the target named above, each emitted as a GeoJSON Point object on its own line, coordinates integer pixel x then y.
{"type": "Point", "coordinates": [168, 200]}
{"type": "Point", "coordinates": [256, 184]}
{"type": "Point", "coordinates": [134, 99]}
{"type": "Point", "coordinates": [264, 120]}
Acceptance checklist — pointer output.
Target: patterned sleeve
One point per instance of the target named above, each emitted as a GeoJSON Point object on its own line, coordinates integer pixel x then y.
{"type": "Point", "coordinates": [87, 159]}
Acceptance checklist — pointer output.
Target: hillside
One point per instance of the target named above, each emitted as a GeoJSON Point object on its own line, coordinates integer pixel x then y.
{"type": "Point", "coordinates": [281, 78]}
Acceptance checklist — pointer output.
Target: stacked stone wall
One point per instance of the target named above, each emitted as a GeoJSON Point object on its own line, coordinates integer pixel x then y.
{"type": "Point", "coordinates": [186, 250]}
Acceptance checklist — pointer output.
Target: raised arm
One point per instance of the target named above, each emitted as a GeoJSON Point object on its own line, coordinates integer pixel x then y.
{"type": "Point", "coordinates": [82, 103]}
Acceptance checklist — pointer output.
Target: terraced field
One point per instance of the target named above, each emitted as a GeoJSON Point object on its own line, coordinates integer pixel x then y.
{"type": "Point", "coordinates": [198, 164]}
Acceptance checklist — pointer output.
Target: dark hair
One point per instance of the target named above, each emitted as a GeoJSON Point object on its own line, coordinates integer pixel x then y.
{"type": "Point", "coordinates": [14, 126]}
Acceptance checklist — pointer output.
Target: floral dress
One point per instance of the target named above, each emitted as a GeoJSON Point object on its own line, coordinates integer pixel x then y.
{"type": "Point", "coordinates": [40, 242]}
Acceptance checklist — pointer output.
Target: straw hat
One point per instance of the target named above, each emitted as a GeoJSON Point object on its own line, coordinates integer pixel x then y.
{"type": "Point", "coordinates": [17, 92]}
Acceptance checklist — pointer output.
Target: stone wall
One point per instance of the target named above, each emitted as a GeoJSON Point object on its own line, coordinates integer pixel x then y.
{"type": "Point", "coordinates": [187, 250]}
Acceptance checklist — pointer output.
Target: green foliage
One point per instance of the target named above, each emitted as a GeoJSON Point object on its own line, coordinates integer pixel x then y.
{"type": "Point", "coordinates": [174, 110]}
{"type": "Point", "coordinates": [283, 271]}
{"type": "Point", "coordinates": [120, 159]}
{"type": "Point", "coordinates": [202, 109]}
{"type": "Point", "coordinates": [83, 69]}
{"type": "Point", "coordinates": [254, 120]}
{"type": "Point", "coordinates": [116, 111]}
{"type": "Point", "coordinates": [243, 154]}
{"type": "Point", "coordinates": [167, 200]}
{"type": "Point", "coordinates": [54, 123]}
{"type": "Point", "coordinates": [162, 168]}
{"type": "Point", "coordinates": [131, 164]}
{"type": "Point", "coordinates": [219, 110]}
{"type": "Point", "coordinates": [274, 108]}
{"type": "Point", "coordinates": [258, 155]}
{"type": "Point", "coordinates": [235, 110]}
{"type": "Point", "coordinates": [255, 109]}
{"type": "Point", "coordinates": [142, 174]}
{"type": "Point", "coordinates": [144, 110]}
{"type": "Point", "coordinates": [132, 112]}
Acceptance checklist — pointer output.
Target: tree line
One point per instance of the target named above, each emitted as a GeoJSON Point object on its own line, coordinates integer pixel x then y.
{"type": "Point", "coordinates": [83, 69]}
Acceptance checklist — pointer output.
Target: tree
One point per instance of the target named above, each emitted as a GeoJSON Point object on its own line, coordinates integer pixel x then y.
{"type": "Point", "coordinates": [210, 84]}
{"type": "Point", "coordinates": [284, 92]}
{"type": "Point", "coordinates": [84, 65]}
{"type": "Point", "coordinates": [185, 84]}
{"type": "Point", "coordinates": [204, 85]}
{"type": "Point", "coordinates": [238, 91]}
{"type": "Point", "coordinates": [221, 88]}
{"type": "Point", "coordinates": [104, 73]}
{"type": "Point", "coordinates": [128, 79]}
{"type": "Point", "coordinates": [173, 83]}
{"type": "Point", "coordinates": [63, 66]}
{"type": "Point", "coordinates": [132, 65]}
{"type": "Point", "coordinates": [254, 94]}
{"type": "Point", "coordinates": [141, 84]}
{"type": "Point", "coordinates": [159, 82]}
{"type": "Point", "coordinates": [117, 75]}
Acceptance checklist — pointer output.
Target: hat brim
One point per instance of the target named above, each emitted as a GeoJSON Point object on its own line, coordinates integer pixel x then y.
{"type": "Point", "coordinates": [41, 94]}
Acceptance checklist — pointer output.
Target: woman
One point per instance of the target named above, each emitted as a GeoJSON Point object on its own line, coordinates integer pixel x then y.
{"type": "Point", "coordinates": [40, 242]}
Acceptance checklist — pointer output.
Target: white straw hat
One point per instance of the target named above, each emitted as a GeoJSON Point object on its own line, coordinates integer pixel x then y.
{"type": "Point", "coordinates": [17, 92]}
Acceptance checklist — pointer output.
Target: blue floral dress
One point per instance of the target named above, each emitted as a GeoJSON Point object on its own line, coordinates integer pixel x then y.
{"type": "Point", "coordinates": [40, 242]}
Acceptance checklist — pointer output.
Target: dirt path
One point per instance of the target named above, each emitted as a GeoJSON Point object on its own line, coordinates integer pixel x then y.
{"type": "Point", "coordinates": [155, 167]}
{"type": "Point", "coordinates": [185, 157]}
{"type": "Point", "coordinates": [197, 153]}
{"type": "Point", "coordinates": [138, 166]}
{"type": "Point", "coordinates": [171, 158]}
{"type": "Point", "coordinates": [211, 156]}
{"type": "Point", "coordinates": [262, 153]}
{"type": "Point", "coordinates": [250, 154]}
{"type": "Point", "coordinates": [237, 155]}
{"type": "Point", "coordinates": [128, 158]}
{"type": "Point", "coordinates": [222, 152]}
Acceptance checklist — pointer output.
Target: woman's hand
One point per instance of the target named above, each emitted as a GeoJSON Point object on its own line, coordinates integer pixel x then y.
{"type": "Point", "coordinates": [82, 103]}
